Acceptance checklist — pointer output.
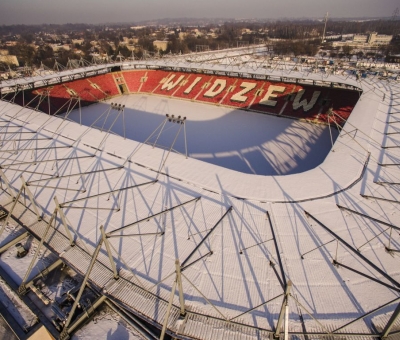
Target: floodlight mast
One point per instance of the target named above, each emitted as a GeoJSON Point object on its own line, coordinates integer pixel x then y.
{"type": "Point", "coordinates": [326, 20]}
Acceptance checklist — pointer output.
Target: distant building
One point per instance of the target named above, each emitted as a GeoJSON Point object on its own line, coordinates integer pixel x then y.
{"type": "Point", "coordinates": [393, 58]}
{"type": "Point", "coordinates": [182, 35]}
{"type": "Point", "coordinates": [160, 44]}
{"type": "Point", "coordinates": [372, 39]}
{"type": "Point", "coordinates": [360, 38]}
{"type": "Point", "coordinates": [9, 60]}
{"type": "Point", "coordinates": [379, 39]}
{"type": "Point", "coordinates": [78, 41]}
{"type": "Point", "coordinates": [364, 40]}
{"type": "Point", "coordinates": [57, 47]}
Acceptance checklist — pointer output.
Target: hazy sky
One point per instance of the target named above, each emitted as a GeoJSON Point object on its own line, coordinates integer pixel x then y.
{"type": "Point", "coordinates": [102, 11]}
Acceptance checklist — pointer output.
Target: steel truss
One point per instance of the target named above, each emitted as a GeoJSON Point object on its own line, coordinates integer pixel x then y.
{"type": "Point", "coordinates": [395, 285]}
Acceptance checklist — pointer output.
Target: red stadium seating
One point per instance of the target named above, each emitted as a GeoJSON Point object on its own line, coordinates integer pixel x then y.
{"type": "Point", "coordinates": [281, 98]}
{"type": "Point", "coordinates": [226, 92]}
{"type": "Point", "coordinates": [153, 80]}
{"type": "Point", "coordinates": [172, 83]}
{"type": "Point", "coordinates": [83, 89]}
{"type": "Point", "coordinates": [58, 91]}
{"type": "Point", "coordinates": [251, 95]}
{"type": "Point", "coordinates": [235, 92]}
{"type": "Point", "coordinates": [133, 80]}
{"type": "Point", "coordinates": [107, 84]}
{"type": "Point", "coordinates": [194, 86]}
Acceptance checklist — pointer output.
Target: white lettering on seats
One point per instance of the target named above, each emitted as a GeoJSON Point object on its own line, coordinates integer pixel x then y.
{"type": "Point", "coordinates": [306, 106]}
{"type": "Point", "coordinates": [272, 88]}
{"type": "Point", "coordinates": [218, 86]}
{"type": "Point", "coordinates": [247, 87]}
{"type": "Point", "coordinates": [169, 84]}
{"type": "Point", "coordinates": [192, 85]}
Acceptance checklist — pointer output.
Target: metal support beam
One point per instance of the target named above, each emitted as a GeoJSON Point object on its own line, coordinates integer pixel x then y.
{"type": "Point", "coordinates": [22, 287]}
{"type": "Point", "coordinates": [254, 245]}
{"type": "Point", "coordinates": [13, 242]}
{"type": "Point", "coordinates": [283, 277]}
{"type": "Point", "coordinates": [283, 309]}
{"type": "Point", "coordinates": [365, 275]}
{"type": "Point", "coordinates": [392, 320]}
{"type": "Point", "coordinates": [14, 132]}
{"type": "Point", "coordinates": [2, 166]}
{"type": "Point", "coordinates": [11, 210]}
{"type": "Point", "coordinates": [73, 175]}
{"type": "Point", "coordinates": [152, 216]}
{"type": "Point", "coordinates": [44, 272]}
{"type": "Point", "coordinates": [171, 299]}
{"type": "Point", "coordinates": [256, 307]}
{"type": "Point", "coordinates": [25, 139]}
{"type": "Point", "coordinates": [106, 193]}
{"type": "Point", "coordinates": [380, 198]}
{"type": "Point", "coordinates": [180, 288]}
{"type": "Point", "coordinates": [357, 253]}
{"type": "Point", "coordinates": [83, 285]}
{"type": "Point", "coordinates": [324, 244]}
{"type": "Point", "coordinates": [169, 151]}
{"type": "Point", "coordinates": [35, 149]}
{"type": "Point", "coordinates": [86, 315]}
{"type": "Point", "coordinates": [206, 237]}
{"type": "Point", "coordinates": [32, 199]}
{"type": "Point", "coordinates": [197, 260]}
{"type": "Point", "coordinates": [64, 221]}
{"type": "Point", "coordinates": [387, 183]}
{"type": "Point", "coordinates": [134, 235]}
{"type": "Point", "coordinates": [365, 315]}
{"type": "Point", "coordinates": [132, 320]}
{"type": "Point", "coordinates": [8, 185]}
{"type": "Point", "coordinates": [388, 164]}
{"type": "Point", "coordinates": [114, 268]}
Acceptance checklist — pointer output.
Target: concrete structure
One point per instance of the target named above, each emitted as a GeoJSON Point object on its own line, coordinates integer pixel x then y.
{"type": "Point", "coordinates": [372, 39]}
{"type": "Point", "coordinates": [393, 58]}
{"type": "Point", "coordinates": [360, 41]}
{"type": "Point", "coordinates": [9, 60]}
{"type": "Point", "coordinates": [161, 45]}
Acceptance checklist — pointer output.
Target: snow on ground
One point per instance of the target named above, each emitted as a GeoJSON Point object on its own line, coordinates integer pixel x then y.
{"type": "Point", "coordinates": [18, 266]}
{"type": "Point", "coordinates": [16, 307]}
{"type": "Point", "coordinates": [240, 140]}
{"type": "Point", "coordinates": [107, 324]}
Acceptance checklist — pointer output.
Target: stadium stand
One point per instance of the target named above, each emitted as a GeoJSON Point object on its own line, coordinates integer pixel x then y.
{"type": "Point", "coordinates": [242, 91]}
{"type": "Point", "coordinates": [298, 101]}
{"type": "Point", "coordinates": [107, 84]}
{"type": "Point", "coordinates": [153, 80]}
{"type": "Point", "coordinates": [197, 83]}
{"type": "Point", "coordinates": [278, 98]}
{"type": "Point", "coordinates": [133, 80]}
{"type": "Point", "coordinates": [220, 88]}
{"type": "Point", "coordinates": [96, 90]}
{"type": "Point", "coordinates": [83, 89]}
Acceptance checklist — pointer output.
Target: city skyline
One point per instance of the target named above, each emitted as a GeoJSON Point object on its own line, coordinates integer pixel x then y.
{"type": "Point", "coordinates": [98, 12]}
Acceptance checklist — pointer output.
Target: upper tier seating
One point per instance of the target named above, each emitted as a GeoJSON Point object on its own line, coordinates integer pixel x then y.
{"type": "Point", "coordinates": [298, 101]}
{"type": "Point", "coordinates": [133, 80]}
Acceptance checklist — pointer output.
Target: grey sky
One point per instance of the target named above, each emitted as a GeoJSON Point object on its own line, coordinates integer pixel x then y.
{"type": "Point", "coordinates": [101, 11]}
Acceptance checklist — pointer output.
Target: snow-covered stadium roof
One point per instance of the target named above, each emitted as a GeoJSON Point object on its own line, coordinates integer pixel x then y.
{"type": "Point", "coordinates": [324, 242]}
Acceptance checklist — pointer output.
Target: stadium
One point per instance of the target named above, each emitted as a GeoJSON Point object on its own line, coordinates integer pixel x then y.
{"type": "Point", "coordinates": [218, 195]}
